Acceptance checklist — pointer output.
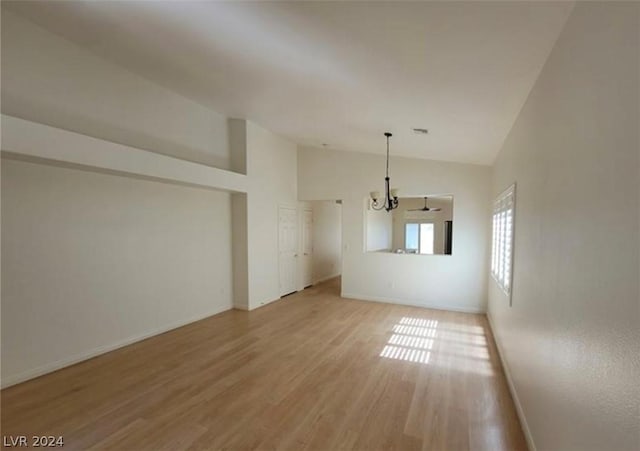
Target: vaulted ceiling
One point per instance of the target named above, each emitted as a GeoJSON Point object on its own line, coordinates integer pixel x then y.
{"type": "Point", "coordinates": [340, 73]}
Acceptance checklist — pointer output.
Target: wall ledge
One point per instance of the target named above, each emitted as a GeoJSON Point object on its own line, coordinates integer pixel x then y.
{"type": "Point", "coordinates": [28, 140]}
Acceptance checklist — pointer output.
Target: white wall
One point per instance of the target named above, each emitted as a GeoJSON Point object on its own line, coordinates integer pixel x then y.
{"type": "Point", "coordinates": [272, 181]}
{"type": "Point", "coordinates": [571, 340]}
{"type": "Point", "coordinates": [457, 282]}
{"type": "Point", "coordinates": [93, 261]}
{"type": "Point", "coordinates": [379, 229]}
{"type": "Point", "coordinates": [50, 80]}
{"type": "Point", "coordinates": [240, 250]}
{"type": "Point", "coordinates": [327, 240]}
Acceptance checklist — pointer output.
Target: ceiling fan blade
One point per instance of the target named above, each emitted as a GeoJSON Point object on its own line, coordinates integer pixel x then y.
{"type": "Point", "coordinates": [425, 208]}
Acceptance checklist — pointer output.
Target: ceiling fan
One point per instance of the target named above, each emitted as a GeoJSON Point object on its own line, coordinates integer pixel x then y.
{"type": "Point", "coordinates": [425, 208]}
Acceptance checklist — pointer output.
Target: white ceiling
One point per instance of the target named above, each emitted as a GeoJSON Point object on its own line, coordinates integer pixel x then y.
{"type": "Point", "coordinates": [340, 73]}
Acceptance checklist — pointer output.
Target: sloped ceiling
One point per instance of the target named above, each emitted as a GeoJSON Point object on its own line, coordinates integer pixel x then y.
{"type": "Point", "coordinates": [340, 73]}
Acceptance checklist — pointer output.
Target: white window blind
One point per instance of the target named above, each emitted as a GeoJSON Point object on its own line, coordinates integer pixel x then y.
{"type": "Point", "coordinates": [502, 243]}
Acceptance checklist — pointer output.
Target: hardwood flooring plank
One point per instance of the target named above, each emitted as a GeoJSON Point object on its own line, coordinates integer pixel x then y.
{"type": "Point", "coordinates": [312, 371]}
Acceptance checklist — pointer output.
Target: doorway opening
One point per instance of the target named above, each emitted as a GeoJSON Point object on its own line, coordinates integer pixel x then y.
{"type": "Point", "coordinates": [310, 245]}
{"type": "Point", "coordinates": [321, 242]}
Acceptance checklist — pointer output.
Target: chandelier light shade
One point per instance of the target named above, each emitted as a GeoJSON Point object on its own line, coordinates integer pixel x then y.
{"type": "Point", "coordinates": [390, 200]}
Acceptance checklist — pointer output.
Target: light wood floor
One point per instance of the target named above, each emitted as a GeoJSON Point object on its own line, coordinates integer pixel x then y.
{"type": "Point", "coordinates": [311, 371]}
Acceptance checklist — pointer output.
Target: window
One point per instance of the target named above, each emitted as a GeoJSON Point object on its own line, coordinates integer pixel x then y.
{"type": "Point", "coordinates": [411, 236]}
{"type": "Point", "coordinates": [419, 237]}
{"type": "Point", "coordinates": [502, 243]}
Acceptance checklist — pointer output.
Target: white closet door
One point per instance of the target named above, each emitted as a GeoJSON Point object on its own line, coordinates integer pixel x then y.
{"type": "Point", "coordinates": [287, 245]}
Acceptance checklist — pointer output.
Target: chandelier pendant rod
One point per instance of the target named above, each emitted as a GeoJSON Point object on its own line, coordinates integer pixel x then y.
{"type": "Point", "coordinates": [387, 197]}
{"type": "Point", "coordinates": [390, 201]}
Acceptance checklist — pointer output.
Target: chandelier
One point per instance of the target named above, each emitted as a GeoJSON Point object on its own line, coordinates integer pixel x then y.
{"type": "Point", "coordinates": [390, 195]}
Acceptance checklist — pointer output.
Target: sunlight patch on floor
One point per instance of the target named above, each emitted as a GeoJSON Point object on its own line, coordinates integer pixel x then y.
{"type": "Point", "coordinates": [410, 355]}
{"type": "Point", "coordinates": [412, 340]}
{"type": "Point", "coordinates": [463, 347]}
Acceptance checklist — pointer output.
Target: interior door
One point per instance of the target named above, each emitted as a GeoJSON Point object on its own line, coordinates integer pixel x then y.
{"type": "Point", "coordinates": [307, 247]}
{"type": "Point", "coordinates": [287, 247]}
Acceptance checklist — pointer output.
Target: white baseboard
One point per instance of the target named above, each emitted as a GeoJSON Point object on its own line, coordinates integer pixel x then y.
{"type": "Point", "coordinates": [265, 303]}
{"type": "Point", "coordinates": [512, 388]}
{"type": "Point", "coordinates": [324, 279]}
{"type": "Point", "coordinates": [77, 358]}
{"type": "Point", "coordinates": [452, 308]}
